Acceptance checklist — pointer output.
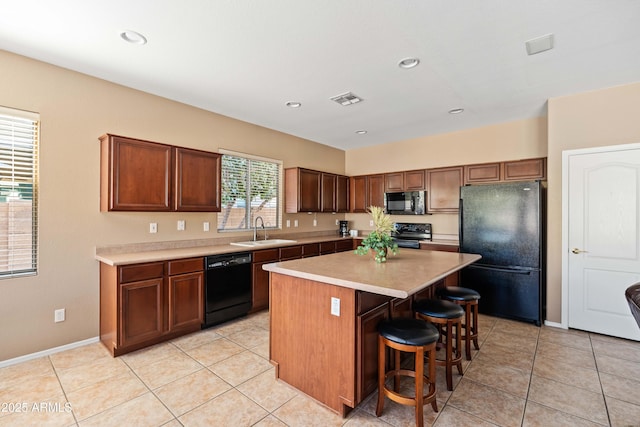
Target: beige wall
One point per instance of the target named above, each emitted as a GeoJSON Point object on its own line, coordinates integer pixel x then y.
{"type": "Point", "coordinates": [507, 141]}
{"type": "Point", "coordinates": [593, 119]}
{"type": "Point", "coordinates": [75, 110]}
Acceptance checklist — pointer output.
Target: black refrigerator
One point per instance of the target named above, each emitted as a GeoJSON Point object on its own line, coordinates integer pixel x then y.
{"type": "Point", "coordinates": [505, 224]}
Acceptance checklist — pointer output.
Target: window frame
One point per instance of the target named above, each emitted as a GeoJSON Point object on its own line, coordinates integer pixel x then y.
{"type": "Point", "coordinates": [279, 192]}
{"type": "Point", "coordinates": [19, 117]}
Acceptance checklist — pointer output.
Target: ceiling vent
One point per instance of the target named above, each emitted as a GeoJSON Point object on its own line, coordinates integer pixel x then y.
{"type": "Point", "coordinates": [346, 99]}
{"type": "Point", "coordinates": [539, 44]}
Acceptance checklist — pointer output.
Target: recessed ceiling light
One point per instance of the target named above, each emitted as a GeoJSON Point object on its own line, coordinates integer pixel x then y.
{"type": "Point", "coordinates": [361, 132]}
{"type": "Point", "coordinates": [408, 63]}
{"type": "Point", "coordinates": [294, 104]}
{"type": "Point", "coordinates": [133, 37]}
{"type": "Point", "coordinates": [456, 110]}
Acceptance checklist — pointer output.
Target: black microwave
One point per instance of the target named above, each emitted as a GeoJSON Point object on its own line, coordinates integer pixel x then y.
{"type": "Point", "coordinates": [405, 203]}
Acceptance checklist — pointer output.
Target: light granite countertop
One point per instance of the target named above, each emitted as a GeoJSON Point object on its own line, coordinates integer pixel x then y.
{"type": "Point", "coordinates": [165, 254]}
{"type": "Point", "coordinates": [402, 275]}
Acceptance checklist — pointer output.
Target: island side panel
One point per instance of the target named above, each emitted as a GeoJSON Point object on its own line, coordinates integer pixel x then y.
{"type": "Point", "coordinates": [313, 350]}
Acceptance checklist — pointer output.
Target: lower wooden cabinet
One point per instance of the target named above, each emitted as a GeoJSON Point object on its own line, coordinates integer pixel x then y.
{"type": "Point", "coordinates": [367, 350]}
{"type": "Point", "coordinates": [143, 304]}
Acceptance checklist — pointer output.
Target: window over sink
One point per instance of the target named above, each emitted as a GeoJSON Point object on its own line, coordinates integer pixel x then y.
{"type": "Point", "coordinates": [251, 187]}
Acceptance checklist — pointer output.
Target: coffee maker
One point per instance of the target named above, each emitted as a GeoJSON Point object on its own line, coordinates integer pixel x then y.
{"type": "Point", "coordinates": [344, 228]}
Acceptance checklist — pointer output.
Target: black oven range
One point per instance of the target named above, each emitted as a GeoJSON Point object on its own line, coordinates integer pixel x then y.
{"type": "Point", "coordinates": [409, 235]}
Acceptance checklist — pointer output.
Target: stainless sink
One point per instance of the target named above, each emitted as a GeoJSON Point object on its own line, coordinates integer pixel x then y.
{"type": "Point", "coordinates": [262, 243]}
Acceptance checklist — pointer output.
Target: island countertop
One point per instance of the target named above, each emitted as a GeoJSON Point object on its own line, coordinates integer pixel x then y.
{"type": "Point", "coordinates": [402, 275]}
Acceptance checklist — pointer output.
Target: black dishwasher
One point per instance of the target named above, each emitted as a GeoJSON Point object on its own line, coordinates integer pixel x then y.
{"type": "Point", "coordinates": [227, 287]}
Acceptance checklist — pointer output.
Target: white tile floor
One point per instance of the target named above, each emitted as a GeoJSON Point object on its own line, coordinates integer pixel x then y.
{"type": "Point", "coordinates": [522, 376]}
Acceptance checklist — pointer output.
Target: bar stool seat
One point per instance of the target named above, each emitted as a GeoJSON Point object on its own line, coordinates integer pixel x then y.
{"type": "Point", "coordinates": [410, 336]}
{"type": "Point", "coordinates": [445, 316]}
{"type": "Point", "coordinates": [468, 299]}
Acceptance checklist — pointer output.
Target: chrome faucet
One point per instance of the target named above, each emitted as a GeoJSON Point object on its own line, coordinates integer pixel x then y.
{"type": "Point", "coordinates": [255, 228]}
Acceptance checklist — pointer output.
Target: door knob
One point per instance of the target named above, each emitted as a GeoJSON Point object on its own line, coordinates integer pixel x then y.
{"type": "Point", "coordinates": [578, 251]}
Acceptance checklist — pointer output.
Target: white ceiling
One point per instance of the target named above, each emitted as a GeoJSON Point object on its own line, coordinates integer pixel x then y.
{"type": "Point", "coordinates": [247, 58]}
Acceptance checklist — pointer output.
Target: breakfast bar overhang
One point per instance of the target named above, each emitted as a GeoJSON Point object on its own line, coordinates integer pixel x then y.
{"type": "Point", "coordinates": [324, 312]}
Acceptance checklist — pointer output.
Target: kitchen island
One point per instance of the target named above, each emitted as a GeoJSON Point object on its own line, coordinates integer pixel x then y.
{"type": "Point", "coordinates": [324, 313]}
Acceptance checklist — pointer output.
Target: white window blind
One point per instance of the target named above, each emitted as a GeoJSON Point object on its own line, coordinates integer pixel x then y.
{"type": "Point", "coordinates": [18, 192]}
{"type": "Point", "coordinates": [250, 188]}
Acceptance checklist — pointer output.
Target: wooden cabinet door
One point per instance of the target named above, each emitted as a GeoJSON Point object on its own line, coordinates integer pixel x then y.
{"type": "Point", "coordinates": [358, 193]}
{"type": "Point", "coordinates": [328, 192]}
{"type": "Point", "coordinates": [260, 288]}
{"type": "Point", "coordinates": [135, 175]}
{"type": "Point", "coordinates": [327, 247]}
{"type": "Point", "coordinates": [141, 311]}
{"type": "Point", "coordinates": [186, 300]}
{"type": "Point", "coordinates": [367, 350]}
{"type": "Point", "coordinates": [394, 181]}
{"type": "Point", "coordinates": [260, 278]}
{"type": "Point", "coordinates": [525, 170]}
{"type": "Point", "coordinates": [375, 190]}
{"type": "Point", "coordinates": [342, 193]}
{"type": "Point", "coordinates": [302, 190]}
{"type": "Point", "coordinates": [443, 194]}
{"type": "Point", "coordinates": [310, 249]}
{"type": "Point", "coordinates": [488, 172]}
{"type": "Point", "coordinates": [414, 180]}
{"type": "Point", "coordinates": [401, 307]}
{"type": "Point", "coordinates": [197, 180]}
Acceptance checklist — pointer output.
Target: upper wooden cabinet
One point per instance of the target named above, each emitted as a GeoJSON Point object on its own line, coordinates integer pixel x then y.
{"type": "Point", "coordinates": [404, 181]}
{"type": "Point", "coordinates": [443, 189]}
{"type": "Point", "coordinates": [366, 190]}
{"type": "Point", "coordinates": [308, 190]}
{"type": "Point", "coordinates": [137, 175]}
{"type": "Point", "coordinates": [525, 170]}
{"type": "Point", "coordinates": [484, 173]}
{"type": "Point", "coordinates": [197, 180]}
{"type": "Point", "coordinates": [517, 170]}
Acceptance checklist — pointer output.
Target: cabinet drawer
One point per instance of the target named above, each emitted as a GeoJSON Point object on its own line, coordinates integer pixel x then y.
{"type": "Point", "coordinates": [290, 252]}
{"type": "Point", "coordinates": [344, 245]}
{"type": "Point", "coordinates": [267, 255]}
{"type": "Point", "coordinates": [327, 247]}
{"type": "Point", "coordinates": [310, 249]}
{"type": "Point", "coordinates": [366, 301]}
{"type": "Point", "coordinates": [188, 265]}
{"type": "Point", "coordinates": [137, 272]}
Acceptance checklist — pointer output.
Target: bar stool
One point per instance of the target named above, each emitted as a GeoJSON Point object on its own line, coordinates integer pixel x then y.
{"type": "Point", "coordinates": [410, 336]}
{"type": "Point", "coordinates": [445, 316]}
{"type": "Point", "coordinates": [468, 299]}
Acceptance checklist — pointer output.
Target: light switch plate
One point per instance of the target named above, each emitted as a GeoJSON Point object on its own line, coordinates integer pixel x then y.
{"type": "Point", "coordinates": [335, 306]}
{"type": "Point", "coordinates": [153, 227]}
{"type": "Point", "coordinates": [205, 226]}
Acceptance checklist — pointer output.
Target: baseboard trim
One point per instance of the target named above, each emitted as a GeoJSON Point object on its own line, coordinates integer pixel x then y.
{"type": "Point", "coordinates": [48, 352]}
{"type": "Point", "coordinates": [554, 324]}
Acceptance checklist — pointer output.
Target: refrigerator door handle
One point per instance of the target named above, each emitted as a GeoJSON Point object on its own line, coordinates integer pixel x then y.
{"type": "Point", "coordinates": [503, 270]}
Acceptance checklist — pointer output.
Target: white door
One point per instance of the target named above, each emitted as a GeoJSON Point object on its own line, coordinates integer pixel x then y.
{"type": "Point", "coordinates": [603, 256]}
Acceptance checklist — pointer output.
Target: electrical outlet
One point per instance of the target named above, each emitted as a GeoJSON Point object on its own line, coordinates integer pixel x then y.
{"type": "Point", "coordinates": [58, 315]}
{"type": "Point", "coordinates": [337, 223]}
{"type": "Point", "coordinates": [288, 223]}
{"type": "Point", "coordinates": [153, 227]}
{"type": "Point", "coordinates": [180, 225]}
{"type": "Point", "coordinates": [335, 306]}
{"type": "Point", "coordinates": [315, 222]}
{"type": "Point", "coordinates": [371, 223]}
{"type": "Point", "coordinates": [295, 222]}
{"type": "Point", "coordinates": [205, 226]}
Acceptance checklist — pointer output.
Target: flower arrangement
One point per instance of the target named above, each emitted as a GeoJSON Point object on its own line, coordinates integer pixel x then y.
{"type": "Point", "coordinates": [379, 241]}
